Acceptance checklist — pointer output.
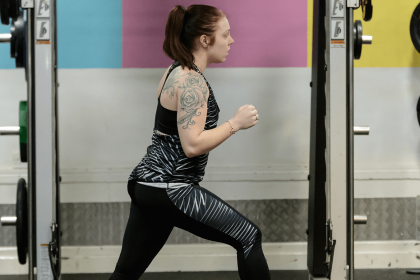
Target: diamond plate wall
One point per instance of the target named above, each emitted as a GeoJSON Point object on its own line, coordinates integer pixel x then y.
{"type": "Point", "coordinates": [7, 234]}
{"type": "Point", "coordinates": [388, 219]}
{"type": "Point", "coordinates": [279, 220]}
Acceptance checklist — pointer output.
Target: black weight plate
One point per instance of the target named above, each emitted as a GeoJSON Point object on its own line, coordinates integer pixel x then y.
{"type": "Point", "coordinates": [23, 131]}
{"type": "Point", "coordinates": [14, 8]}
{"type": "Point", "coordinates": [23, 152]}
{"type": "Point", "coordinates": [4, 12]}
{"type": "Point", "coordinates": [367, 10]}
{"type": "Point", "coordinates": [22, 220]}
{"type": "Point", "coordinates": [418, 111]}
{"type": "Point", "coordinates": [357, 37]}
{"type": "Point", "coordinates": [18, 40]}
{"type": "Point", "coordinates": [20, 53]}
{"type": "Point", "coordinates": [415, 28]}
{"type": "Point", "coordinates": [13, 40]}
{"type": "Point", "coordinates": [13, 46]}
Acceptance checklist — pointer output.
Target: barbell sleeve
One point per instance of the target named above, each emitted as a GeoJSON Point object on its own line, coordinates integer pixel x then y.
{"type": "Point", "coordinates": [9, 130]}
{"type": "Point", "coordinates": [367, 39]}
{"type": "Point", "coordinates": [5, 37]}
{"type": "Point", "coordinates": [361, 130]}
{"type": "Point", "coordinates": [8, 221]}
{"type": "Point", "coordinates": [360, 219]}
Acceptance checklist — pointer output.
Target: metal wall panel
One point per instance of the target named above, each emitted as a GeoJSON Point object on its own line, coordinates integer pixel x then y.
{"type": "Point", "coordinates": [282, 220]}
{"type": "Point", "coordinates": [388, 219]}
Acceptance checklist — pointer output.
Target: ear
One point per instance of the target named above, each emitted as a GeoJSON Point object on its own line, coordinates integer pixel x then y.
{"type": "Point", "coordinates": [204, 40]}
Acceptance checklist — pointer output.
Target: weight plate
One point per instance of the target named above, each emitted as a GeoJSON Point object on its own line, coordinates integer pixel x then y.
{"type": "Point", "coordinates": [20, 53]}
{"type": "Point", "coordinates": [357, 38]}
{"type": "Point", "coordinates": [23, 136]}
{"type": "Point", "coordinates": [415, 28]}
{"type": "Point", "coordinates": [367, 10]}
{"type": "Point", "coordinates": [14, 8]}
{"type": "Point", "coordinates": [12, 45]}
{"type": "Point", "coordinates": [414, 271]}
{"type": "Point", "coordinates": [17, 48]}
{"type": "Point", "coordinates": [4, 12]}
{"type": "Point", "coordinates": [22, 221]}
{"type": "Point", "coordinates": [418, 111]}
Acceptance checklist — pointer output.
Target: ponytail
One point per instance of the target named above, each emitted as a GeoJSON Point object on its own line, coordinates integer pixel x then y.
{"type": "Point", "coordinates": [183, 28]}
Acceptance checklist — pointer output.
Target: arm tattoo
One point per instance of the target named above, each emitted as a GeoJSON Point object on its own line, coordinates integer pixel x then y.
{"type": "Point", "coordinates": [193, 98]}
{"type": "Point", "coordinates": [171, 82]}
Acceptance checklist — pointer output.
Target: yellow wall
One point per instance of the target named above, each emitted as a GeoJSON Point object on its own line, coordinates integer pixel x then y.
{"type": "Point", "coordinates": [390, 28]}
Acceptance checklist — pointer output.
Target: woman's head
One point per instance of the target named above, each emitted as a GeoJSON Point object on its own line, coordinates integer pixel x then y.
{"type": "Point", "coordinates": [197, 28]}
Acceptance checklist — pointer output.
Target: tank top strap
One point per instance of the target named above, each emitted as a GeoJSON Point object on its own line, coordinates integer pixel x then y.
{"type": "Point", "coordinates": [173, 66]}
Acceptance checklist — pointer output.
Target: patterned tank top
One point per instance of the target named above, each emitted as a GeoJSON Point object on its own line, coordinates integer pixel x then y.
{"type": "Point", "coordinates": [165, 160]}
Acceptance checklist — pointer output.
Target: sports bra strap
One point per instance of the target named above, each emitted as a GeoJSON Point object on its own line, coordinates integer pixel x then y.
{"type": "Point", "coordinates": [169, 72]}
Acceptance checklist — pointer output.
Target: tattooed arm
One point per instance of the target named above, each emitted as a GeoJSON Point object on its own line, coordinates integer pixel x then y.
{"type": "Point", "coordinates": [192, 94]}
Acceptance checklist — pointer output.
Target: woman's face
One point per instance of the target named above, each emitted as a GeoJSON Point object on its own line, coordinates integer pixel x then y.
{"type": "Point", "coordinates": [219, 51]}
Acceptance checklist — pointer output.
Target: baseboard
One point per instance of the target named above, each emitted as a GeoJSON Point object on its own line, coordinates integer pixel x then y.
{"type": "Point", "coordinates": [219, 257]}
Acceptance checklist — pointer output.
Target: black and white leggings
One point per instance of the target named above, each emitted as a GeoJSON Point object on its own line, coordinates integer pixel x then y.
{"type": "Point", "coordinates": [155, 212]}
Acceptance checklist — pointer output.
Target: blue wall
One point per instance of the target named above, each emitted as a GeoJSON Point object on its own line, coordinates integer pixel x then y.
{"type": "Point", "coordinates": [6, 62]}
{"type": "Point", "coordinates": [89, 35]}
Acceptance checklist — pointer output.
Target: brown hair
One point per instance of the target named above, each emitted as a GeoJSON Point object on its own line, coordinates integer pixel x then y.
{"type": "Point", "coordinates": [184, 26]}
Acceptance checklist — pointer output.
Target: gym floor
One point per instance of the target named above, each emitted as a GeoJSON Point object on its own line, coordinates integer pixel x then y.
{"type": "Point", "coordinates": [362, 274]}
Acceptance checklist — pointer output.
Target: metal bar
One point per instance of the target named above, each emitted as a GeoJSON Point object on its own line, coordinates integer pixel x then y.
{"type": "Point", "coordinates": [361, 130]}
{"type": "Point", "coordinates": [56, 186]}
{"type": "Point", "coordinates": [350, 157]}
{"type": "Point", "coordinates": [8, 221]}
{"type": "Point", "coordinates": [5, 37]}
{"type": "Point", "coordinates": [31, 141]}
{"type": "Point", "coordinates": [360, 220]}
{"type": "Point", "coordinates": [367, 39]}
{"type": "Point", "coordinates": [9, 130]}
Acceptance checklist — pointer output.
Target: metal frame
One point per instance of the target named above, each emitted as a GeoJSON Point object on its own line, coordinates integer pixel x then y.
{"type": "Point", "coordinates": [42, 140]}
{"type": "Point", "coordinates": [331, 186]}
{"type": "Point", "coordinates": [46, 152]}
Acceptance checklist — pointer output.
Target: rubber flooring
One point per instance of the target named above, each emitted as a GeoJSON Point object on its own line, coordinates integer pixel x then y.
{"type": "Point", "coordinates": [362, 274]}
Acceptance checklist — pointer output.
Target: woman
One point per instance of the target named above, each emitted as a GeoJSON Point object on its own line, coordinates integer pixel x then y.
{"type": "Point", "coordinates": [164, 187]}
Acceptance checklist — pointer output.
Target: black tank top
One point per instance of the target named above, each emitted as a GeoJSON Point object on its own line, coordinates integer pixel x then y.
{"type": "Point", "coordinates": [165, 119]}
{"type": "Point", "coordinates": [165, 160]}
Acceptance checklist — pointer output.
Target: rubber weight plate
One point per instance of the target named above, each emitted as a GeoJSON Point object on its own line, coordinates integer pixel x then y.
{"type": "Point", "coordinates": [13, 8]}
{"type": "Point", "coordinates": [20, 52]}
{"type": "Point", "coordinates": [4, 12]}
{"type": "Point", "coordinates": [22, 220]}
{"type": "Point", "coordinates": [415, 28]}
{"type": "Point", "coordinates": [23, 131]}
{"type": "Point", "coordinates": [17, 47]}
{"type": "Point", "coordinates": [418, 111]}
{"type": "Point", "coordinates": [357, 38]}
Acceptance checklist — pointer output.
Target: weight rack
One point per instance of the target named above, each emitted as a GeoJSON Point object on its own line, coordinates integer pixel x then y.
{"type": "Point", "coordinates": [337, 41]}
{"type": "Point", "coordinates": [33, 45]}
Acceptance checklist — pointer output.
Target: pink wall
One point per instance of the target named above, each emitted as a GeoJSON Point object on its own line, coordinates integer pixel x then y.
{"type": "Point", "coordinates": [267, 33]}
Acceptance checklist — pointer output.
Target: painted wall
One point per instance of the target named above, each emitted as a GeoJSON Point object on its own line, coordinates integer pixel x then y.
{"type": "Point", "coordinates": [111, 59]}
{"type": "Point", "coordinates": [110, 63]}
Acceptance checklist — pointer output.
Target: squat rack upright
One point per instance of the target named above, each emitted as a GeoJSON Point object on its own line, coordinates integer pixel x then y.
{"type": "Point", "coordinates": [337, 41]}
{"type": "Point", "coordinates": [33, 41]}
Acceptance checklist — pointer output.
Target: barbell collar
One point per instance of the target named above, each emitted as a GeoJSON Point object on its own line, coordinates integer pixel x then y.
{"type": "Point", "coordinates": [367, 39]}
{"type": "Point", "coordinates": [360, 220]}
{"type": "Point", "coordinates": [361, 130]}
{"type": "Point", "coordinates": [9, 130]}
{"type": "Point", "coordinates": [8, 221]}
{"type": "Point", "coordinates": [5, 37]}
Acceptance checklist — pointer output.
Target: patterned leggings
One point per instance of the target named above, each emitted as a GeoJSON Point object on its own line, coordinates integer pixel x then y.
{"type": "Point", "coordinates": [155, 212]}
